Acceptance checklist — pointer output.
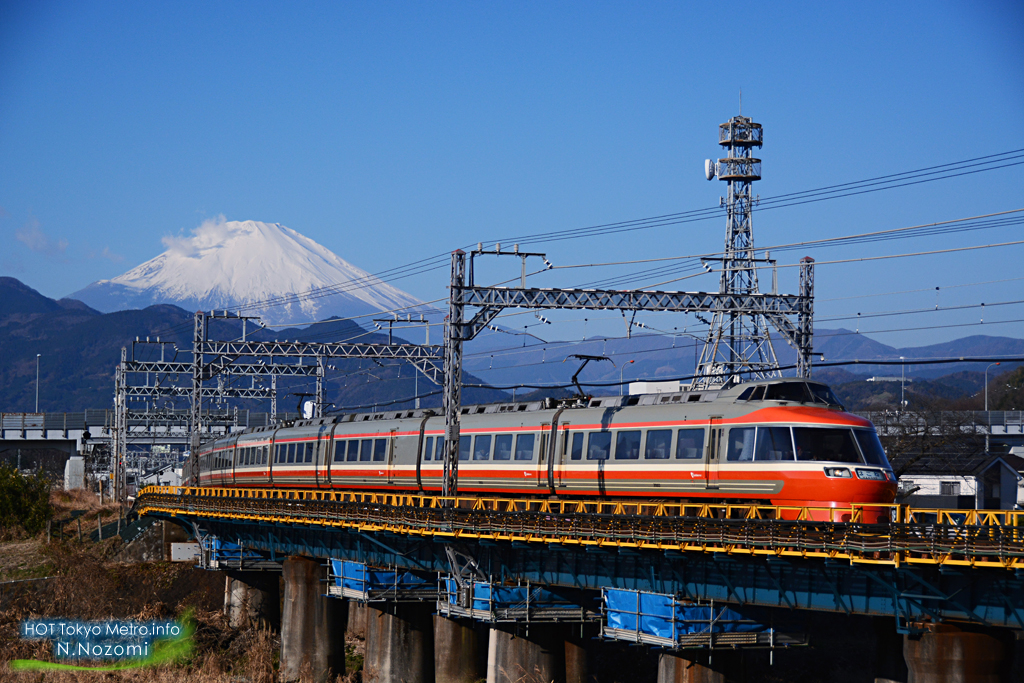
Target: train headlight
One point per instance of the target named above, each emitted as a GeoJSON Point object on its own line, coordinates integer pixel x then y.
{"type": "Point", "coordinates": [873, 475]}
{"type": "Point", "coordinates": [841, 472]}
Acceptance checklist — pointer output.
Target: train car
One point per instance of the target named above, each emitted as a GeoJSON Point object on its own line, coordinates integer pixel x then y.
{"type": "Point", "coordinates": [784, 442]}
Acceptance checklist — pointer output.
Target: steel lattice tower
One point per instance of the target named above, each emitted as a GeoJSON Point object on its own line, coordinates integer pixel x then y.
{"type": "Point", "coordinates": [738, 343]}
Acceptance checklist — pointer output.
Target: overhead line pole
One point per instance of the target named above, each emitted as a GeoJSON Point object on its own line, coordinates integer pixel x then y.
{"type": "Point", "coordinates": [790, 314]}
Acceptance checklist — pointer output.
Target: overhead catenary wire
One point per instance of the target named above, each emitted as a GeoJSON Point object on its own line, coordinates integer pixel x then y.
{"type": "Point", "coordinates": [927, 174]}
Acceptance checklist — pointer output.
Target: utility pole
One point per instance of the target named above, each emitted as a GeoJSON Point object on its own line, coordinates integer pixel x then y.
{"type": "Point", "coordinates": [988, 419]}
{"type": "Point", "coordinates": [37, 381]}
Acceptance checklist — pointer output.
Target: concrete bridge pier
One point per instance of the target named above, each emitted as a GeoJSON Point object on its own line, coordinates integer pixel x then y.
{"type": "Point", "coordinates": [579, 651]}
{"type": "Point", "coordinates": [699, 667]}
{"type": "Point", "coordinates": [399, 643]}
{"type": "Point", "coordinates": [949, 655]}
{"type": "Point", "coordinates": [537, 653]}
{"type": "Point", "coordinates": [356, 619]}
{"type": "Point", "coordinates": [252, 599]}
{"type": "Point", "coordinates": [313, 625]}
{"type": "Point", "coordinates": [460, 650]}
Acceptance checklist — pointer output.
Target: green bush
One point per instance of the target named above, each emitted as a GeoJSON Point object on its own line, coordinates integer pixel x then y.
{"type": "Point", "coordinates": [24, 501]}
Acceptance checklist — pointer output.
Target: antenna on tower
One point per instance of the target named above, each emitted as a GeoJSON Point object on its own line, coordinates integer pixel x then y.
{"type": "Point", "coordinates": [741, 101]}
{"type": "Point", "coordinates": [738, 343]}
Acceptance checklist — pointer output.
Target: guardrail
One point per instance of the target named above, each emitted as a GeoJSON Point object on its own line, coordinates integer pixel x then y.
{"type": "Point", "coordinates": [972, 539]}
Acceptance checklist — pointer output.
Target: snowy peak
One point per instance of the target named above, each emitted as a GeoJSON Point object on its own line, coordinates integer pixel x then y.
{"type": "Point", "coordinates": [227, 264]}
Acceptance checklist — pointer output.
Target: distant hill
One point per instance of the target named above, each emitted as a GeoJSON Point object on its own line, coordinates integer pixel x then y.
{"type": "Point", "coordinates": [80, 348]}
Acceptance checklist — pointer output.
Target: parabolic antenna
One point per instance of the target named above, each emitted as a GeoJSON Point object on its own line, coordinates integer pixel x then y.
{"type": "Point", "coordinates": [709, 168]}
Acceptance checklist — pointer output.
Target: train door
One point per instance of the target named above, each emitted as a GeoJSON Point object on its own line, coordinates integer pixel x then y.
{"type": "Point", "coordinates": [391, 456]}
{"type": "Point", "coordinates": [234, 460]}
{"type": "Point", "coordinates": [561, 448]}
{"type": "Point", "coordinates": [542, 455]}
{"type": "Point", "coordinates": [712, 458]}
{"type": "Point", "coordinates": [321, 458]}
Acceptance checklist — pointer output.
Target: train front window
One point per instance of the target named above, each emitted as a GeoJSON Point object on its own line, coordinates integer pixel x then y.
{"type": "Point", "coordinates": [482, 447]}
{"type": "Point", "coordinates": [627, 445]}
{"type": "Point", "coordinates": [824, 394]}
{"type": "Point", "coordinates": [524, 446]}
{"type": "Point", "coordinates": [797, 392]}
{"type": "Point", "coordinates": [599, 445]}
{"type": "Point", "coordinates": [503, 447]}
{"type": "Point", "coordinates": [659, 444]}
{"type": "Point", "coordinates": [825, 444]}
{"type": "Point", "coordinates": [774, 443]}
{"type": "Point", "coordinates": [871, 447]}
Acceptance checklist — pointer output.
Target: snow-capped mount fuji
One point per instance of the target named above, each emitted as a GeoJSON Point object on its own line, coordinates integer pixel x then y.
{"type": "Point", "coordinates": [231, 264]}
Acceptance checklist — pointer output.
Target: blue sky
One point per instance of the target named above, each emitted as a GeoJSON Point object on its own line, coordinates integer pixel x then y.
{"type": "Point", "coordinates": [393, 131]}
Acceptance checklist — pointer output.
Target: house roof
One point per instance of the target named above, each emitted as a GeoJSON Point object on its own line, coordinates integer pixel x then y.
{"type": "Point", "coordinates": [956, 464]}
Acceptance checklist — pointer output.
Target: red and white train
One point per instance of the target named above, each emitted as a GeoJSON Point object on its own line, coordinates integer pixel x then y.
{"type": "Point", "coordinates": [780, 442]}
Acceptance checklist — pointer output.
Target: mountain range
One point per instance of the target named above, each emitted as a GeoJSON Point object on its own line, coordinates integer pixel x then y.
{"type": "Point", "coordinates": [81, 347]}
{"type": "Point", "coordinates": [249, 265]}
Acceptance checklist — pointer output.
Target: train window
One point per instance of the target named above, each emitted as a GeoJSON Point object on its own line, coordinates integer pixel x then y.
{"type": "Point", "coordinates": [353, 450]}
{"type": "Point", "coordinates": [774, 443]}
{"type": "Point", "coordinates": [871, 447]}
{"type": "Point", "coordinates": [278, 453]}
{"type": "Point", "coordinates": [689, 444]}
{"type": "Point", "coordinates": [659, 444]}
{"type": "Point", "coordinates": [831, 445]}
{"type": "Point", "coordinates": [464, 447]}
{"type": "Point", "coordinates": [599, 445]}
{"type": "Point", "coordinates": [741, 444]}
{"type": "Point", "coordinates": [822, 393]}
{"type": "Point", "coordinates": [366, 450]}
{"type": "Point", "coordinates": [627, 445]}
{"type": "Point", "coordinates": [339, 451]}
{"type": "Point", "coordinates": [309, 452]}
{"type": "Point", "coordinates": [503, 447]}
{"type": "Point", "coordinates": [380, 450]}
{"type": "Point", "coordinates": [788, 391]}
{"type": "Point", "coordinates": [291, 453]}
{"type": "Point", "coordinates": [428, 448]}
{"type": "Point", "coordinates": [755, 393]}
{"type": "Point", "coordinates": [263, 457]}
{"type": "Point", "coordinates": [524, 446]}
{"type": "Point", "coordinates": [577, 446]}
{"type": "Point", "coordinates": [439, 452]}
{"type": "Point", "coordinates": [482, 447]}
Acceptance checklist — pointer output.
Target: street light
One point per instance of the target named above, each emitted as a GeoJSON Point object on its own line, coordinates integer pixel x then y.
{"type": "Point", "coordinates": [620, 373]}
{"type": "Point", "coordinates": [37, 381]}
{"type": "Point", "coordinates": [986, 385]}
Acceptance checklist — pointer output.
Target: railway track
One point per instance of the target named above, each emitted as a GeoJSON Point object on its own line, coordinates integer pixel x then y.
{"type": "Point", "coordinates": [993, 539]}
